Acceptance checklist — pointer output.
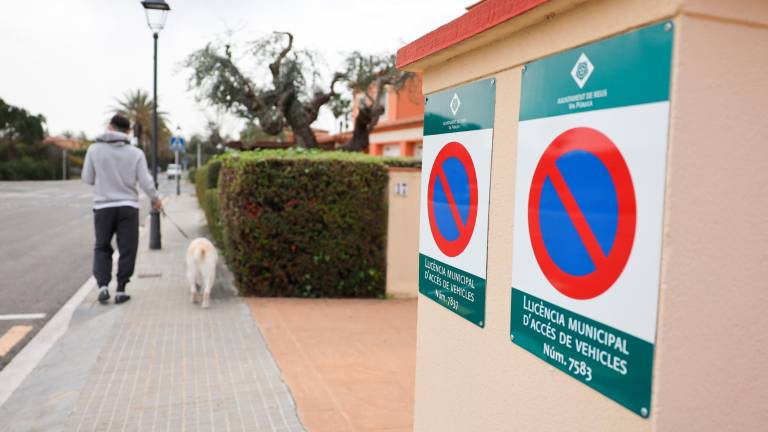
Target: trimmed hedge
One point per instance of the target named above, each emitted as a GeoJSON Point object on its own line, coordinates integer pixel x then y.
{"type": "Point", "coordinates": [26, 168]}
{"type": "Point", "coordinates": [305, 223]}
{"type": "Point", "coordinates": [401, 162]}
{"type": "Point", "coordinates": [191, 175]}
{"type": "Point", "coordinates": [213, 216]}
{"type": "Point", "coordinates": [207, 177]}
{"type": "Point", "coordinates": [201, 183]}
{"type": "Point", "coordinates": [206, 189]}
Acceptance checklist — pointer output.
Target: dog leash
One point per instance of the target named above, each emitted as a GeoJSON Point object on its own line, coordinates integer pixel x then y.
{"type": "Point", "coordinates": [162, 210]}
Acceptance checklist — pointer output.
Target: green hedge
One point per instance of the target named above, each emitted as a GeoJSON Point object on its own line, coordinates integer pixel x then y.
{"type": "Point", "coordinates": [401, 162]}
{"type": "Point", "coordinates": [207, 177]}
{"type": "Point", "coordinates": [206, 182]}
{"type": "Point", "coordinates": [191, 175]}
{"type": "Point", "coordinates": [26, 168]}
{"type": "Point", "coordinates": [305, 224]}
{"type": "Point", "coordinates": [213, 215]}
{"type": "Point", "coordinates": [201, 183]}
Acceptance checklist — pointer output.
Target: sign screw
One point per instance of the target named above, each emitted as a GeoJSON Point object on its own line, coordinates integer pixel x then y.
{"type": "Point", "coordinates": [511, 337]}
{"type": "Point", "coordinates": [480, 323]}
{"type": "Point", "coordinates": [493, 81]}
{"type": "Point", "coordinates": [668, 26]}
{"type": "Point", "coordinates": [644, 412]}
{"type": "Point", "coordinates": [426, 99]}
{"type": "Point", "coordinates": [524, 68]}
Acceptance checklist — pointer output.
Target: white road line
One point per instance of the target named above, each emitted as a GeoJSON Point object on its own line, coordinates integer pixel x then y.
{"type": "Point", "coordinates": [29, 357]}
{"type": "Point", "coordinates": [15, 317]}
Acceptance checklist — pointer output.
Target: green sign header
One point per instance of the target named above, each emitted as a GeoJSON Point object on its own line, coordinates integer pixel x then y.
{"type": "Point", "coordinates": [460, 109]}
{"type": "Point", "coordinates": [628, 69]}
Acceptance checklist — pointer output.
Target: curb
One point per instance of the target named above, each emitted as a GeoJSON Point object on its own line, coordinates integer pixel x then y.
{"type": "Point", "coordinates": [31, 355]}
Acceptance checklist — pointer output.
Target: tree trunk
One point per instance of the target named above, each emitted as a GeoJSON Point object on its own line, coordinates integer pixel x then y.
{"type": "Point", "coordinates": [304, 135]}
{"type": "Point", "coordinates": [367, 118]}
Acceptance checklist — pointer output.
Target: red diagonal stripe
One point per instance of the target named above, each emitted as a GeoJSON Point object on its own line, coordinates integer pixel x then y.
{"type": "Point", "coordinates": [577, 217]}
{"type": "Point", "coordinates": [451, 202]}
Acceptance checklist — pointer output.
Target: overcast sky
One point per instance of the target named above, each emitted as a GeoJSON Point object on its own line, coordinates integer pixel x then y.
{"type": "Point", "coordinates": [69, 60]}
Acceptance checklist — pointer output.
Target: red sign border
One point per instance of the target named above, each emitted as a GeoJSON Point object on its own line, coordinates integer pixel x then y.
{"type": "Point", "coordinates": [591, 285]}
{"type": "Point", "coordinates": [457, 246]}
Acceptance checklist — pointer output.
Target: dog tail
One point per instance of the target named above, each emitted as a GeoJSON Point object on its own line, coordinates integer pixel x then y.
{"type": "Point", "coordinates": [199, 254]}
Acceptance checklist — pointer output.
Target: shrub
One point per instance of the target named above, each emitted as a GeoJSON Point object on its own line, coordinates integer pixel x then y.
{"type": "Point", "coordinates": [305, 224]}
{"type": "Point", "coordinates": [201, 183]}
{"type": "Point", "coordinates": [401, 162]}
{"type": "Point", "coordinates": [206, 189]}
{"type": "Point", "coordinates": [210, 206]}
{"type": "Point", "coordinates": [214, 167]}
{"type": "Point", "coordinates": [26, 168]}
{"type": "Point", "coordinates": [191, 175]}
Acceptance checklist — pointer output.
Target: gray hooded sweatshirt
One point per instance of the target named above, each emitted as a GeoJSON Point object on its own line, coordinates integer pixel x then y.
{"type": "Point", "coordinates": [114, 167]}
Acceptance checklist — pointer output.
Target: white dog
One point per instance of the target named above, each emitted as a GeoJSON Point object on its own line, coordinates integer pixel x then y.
{"type": "Point", "coordinates": [201, 269]}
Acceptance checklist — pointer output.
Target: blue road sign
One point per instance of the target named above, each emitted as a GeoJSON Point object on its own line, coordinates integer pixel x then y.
{"type": "Point", "coordinates": [177, 144]}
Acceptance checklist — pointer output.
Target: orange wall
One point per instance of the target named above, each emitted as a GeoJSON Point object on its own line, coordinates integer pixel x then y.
{"type": "Point", "coordinates": [408, 102]}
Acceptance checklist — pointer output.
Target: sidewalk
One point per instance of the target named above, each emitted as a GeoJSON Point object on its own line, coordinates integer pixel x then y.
{"type": "Point", "coordinates": [157, 362]}
{"type": "Point", "coordinates": [350, 363]}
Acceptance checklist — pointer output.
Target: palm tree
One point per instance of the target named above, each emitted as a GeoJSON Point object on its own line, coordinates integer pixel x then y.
{"type": "Point", "coordinates": [137, 106]}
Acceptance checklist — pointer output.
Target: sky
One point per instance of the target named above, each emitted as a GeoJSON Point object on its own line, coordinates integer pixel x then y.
{"type": "Point", "coordinates": [70, 60]}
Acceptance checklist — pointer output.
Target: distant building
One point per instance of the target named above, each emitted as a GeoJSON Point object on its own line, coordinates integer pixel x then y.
{"type": "Point", "coordinates": [66, 143]}
{"type": "Point", "coordinates": [399, 130]}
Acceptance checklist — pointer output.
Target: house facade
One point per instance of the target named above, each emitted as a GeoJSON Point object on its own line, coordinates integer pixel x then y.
{"type": "Point", "coordinates": [399, 130]}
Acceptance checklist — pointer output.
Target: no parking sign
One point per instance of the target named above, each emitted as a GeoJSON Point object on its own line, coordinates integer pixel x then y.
{"type": "Point", "coordinates": [589, 198]}
{"type": "Point", "coordinates": [455, 188]}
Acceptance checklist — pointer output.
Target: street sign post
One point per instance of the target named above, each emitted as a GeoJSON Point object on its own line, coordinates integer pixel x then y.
{"type": "Point", "coordinates": [455, 191]}
{"type": "Point", "coordinates": [589, 197]}
{"type": "Point", "coordinates": [177, 145]}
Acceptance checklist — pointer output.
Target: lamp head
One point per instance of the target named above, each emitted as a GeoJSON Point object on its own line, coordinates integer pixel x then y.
{"type": "Point", "coordinates": [157, 12]}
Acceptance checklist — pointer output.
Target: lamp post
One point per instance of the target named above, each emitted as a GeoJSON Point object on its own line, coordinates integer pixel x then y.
{"type": "Point", "coordinates": [157, 12]}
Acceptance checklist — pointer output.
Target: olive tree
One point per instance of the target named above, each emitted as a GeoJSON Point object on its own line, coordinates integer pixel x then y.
{"type": "Point", "coordinates": [290, 96]}
{"type": "Point", "coordinates": [282, 88]}
{"type": "Point", "coordinates": [369, 78]}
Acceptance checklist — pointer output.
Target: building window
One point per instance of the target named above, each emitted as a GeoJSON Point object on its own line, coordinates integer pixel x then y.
{"type": "Point", "coordinates": [392, 150]}
{"type": "Point", "coordinates": [417, 150]}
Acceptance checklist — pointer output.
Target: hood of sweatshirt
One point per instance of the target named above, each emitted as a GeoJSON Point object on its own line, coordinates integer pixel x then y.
{"type": "Point", "coordinates": [114, 137]}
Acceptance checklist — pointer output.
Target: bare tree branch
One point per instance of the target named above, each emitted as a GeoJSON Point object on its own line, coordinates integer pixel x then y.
{"type": "Point", "coordinates": [274, 67]}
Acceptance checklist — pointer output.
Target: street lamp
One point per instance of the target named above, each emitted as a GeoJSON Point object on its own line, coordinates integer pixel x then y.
{"type": "Point", "coordinates": [157, 12]}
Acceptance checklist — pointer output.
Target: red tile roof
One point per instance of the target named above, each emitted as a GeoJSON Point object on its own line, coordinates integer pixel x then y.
{"type": "Point", "coordinates": [479, 18]}
{"type": "Point", "coordinates": [64, 143]}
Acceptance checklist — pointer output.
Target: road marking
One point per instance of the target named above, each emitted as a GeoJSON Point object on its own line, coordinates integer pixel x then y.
{"type": "Point", "coordinates": [12, 337]}
{"type": "Point", "coordinates": [17, 317]}
{"type": "Point", "coordinates": [29, 357]}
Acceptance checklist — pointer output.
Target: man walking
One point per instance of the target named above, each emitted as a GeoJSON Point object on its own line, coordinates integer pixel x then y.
{"type": "Point", "coordinates": [114, 167]}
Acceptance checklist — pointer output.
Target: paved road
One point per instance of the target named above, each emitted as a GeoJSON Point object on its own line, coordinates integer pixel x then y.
{"type": "Point", "coordinates": [46, 244]}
